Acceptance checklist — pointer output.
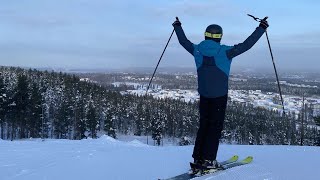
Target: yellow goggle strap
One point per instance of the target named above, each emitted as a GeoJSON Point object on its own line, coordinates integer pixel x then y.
{"type": "Point", "coordinates": [207, 34]}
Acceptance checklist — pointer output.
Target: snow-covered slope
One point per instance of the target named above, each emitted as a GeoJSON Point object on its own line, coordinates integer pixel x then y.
{"type": "Point", "coordinates": [109, 159]}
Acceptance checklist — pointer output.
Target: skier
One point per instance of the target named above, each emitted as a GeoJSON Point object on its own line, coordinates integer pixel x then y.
{"type": "Point", "coordinates": [213, 62]}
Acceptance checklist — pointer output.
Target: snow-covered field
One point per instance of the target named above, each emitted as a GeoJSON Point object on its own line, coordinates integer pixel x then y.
{"type": "Point", "coordinates": [254, 97]}
{"type": "Point", "coordinates": [109, 159]}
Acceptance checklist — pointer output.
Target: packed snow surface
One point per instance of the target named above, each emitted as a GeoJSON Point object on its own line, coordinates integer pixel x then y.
{"type": "Point", "coordinates": [109, 159]}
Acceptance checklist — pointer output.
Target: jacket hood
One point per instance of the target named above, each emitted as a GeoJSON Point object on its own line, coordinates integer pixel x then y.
{"type": "Point", "coordinates": [209, 48]}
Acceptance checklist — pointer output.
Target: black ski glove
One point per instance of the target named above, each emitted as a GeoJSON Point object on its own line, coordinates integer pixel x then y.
{"type": "Point", "coordinates": [176, 23]}
{"type": "Point", "coordinates": [264, 24]}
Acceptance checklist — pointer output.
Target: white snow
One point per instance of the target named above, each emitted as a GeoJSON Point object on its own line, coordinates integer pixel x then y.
{"type": "Point", "coordinates": [110, 159]}
{"type": "Point", "coordinates": [296, 85]}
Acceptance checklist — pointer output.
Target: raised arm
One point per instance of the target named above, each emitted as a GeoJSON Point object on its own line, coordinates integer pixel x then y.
{"type": "Point", "coordinates": [183, 40]}
{"type": "Point", "coordinates": [249, 42]}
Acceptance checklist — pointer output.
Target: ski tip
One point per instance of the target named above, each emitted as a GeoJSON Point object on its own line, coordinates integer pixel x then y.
{"type": "Point", "coordinates": [235, 158]}
{"type": "Point", "coordinates": [248, 159]}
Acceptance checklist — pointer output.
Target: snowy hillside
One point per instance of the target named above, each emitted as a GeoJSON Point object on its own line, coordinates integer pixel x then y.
{"type": "Point", "coordinates": [109, 159]}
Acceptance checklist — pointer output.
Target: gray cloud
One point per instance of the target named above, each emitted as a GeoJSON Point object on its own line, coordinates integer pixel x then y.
{"type": "Point", "coordinates": [198, 9]}
{"type": "Point", "coordinates": [85, 33]}
{"type": "Point", "coordinates": [145, 52]}
{"type": "Point", "coordinates": [303, 39]}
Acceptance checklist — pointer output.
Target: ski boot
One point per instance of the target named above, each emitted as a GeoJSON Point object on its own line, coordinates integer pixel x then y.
{"type": "Point", "coordinates": [209, 166]}
{"type": "Point", "coordinates": [196, 167]}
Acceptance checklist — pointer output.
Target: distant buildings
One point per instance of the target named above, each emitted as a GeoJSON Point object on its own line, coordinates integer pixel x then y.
{"type": "Point", "coordinates": [257, 98]}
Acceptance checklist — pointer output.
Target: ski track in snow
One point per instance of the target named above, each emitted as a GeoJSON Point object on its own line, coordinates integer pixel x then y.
{"type": "Point", "coordinates": [107, 158]}
{"type": "Point", "coordinates": [248, 172]}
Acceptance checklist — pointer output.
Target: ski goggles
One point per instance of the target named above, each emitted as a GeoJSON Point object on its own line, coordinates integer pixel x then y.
{"type": "Point", "coordinates": [207, 34]}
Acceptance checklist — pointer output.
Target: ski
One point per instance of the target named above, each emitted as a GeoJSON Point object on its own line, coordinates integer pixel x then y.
{"type": "Point", "coordinates": [245, 161]}
{"type": "Point", "coordinates": [187, 175]}
{"type": "Point", "coordinates": [231, 160]}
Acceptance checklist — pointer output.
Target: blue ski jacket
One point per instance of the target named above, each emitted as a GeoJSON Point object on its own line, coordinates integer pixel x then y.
{"type": "Point", "coordinates": [213, 61]}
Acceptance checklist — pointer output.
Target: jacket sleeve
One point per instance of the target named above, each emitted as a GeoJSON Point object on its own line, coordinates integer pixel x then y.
{"type": "Point", "coordinates": [246, 45]}
{"type": "Point", "coordinates": [183, 40]}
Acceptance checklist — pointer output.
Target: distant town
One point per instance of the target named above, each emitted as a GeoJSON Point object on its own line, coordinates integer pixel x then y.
{"type": "Point", "coordinates": [271, 101]}
{"type": "Point", "coordinates": [253, 89]}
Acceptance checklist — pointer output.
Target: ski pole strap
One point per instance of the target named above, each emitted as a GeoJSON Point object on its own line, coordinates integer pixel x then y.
{"type": "Point", "coordinates": [258, 19]}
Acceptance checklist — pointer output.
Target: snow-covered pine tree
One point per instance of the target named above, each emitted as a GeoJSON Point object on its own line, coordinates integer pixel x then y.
{"type": "Point", "coordinates": [186, 125]}
{"type": "Point", "coordinates": [147, 121]}
{"type": "Point", "coordinates": [61, 121]}
{"type": "Point", "coordinates": [3, 106]}
{"type": "Point", "coordinates": [34, 121]}
{"type": "Point", "coordinates": [92, 120]}
{"type": "Point", "coordinates": [139, 119]}
{"type": "Point", "coordinates": [20, 105]}
{"type": "Point", "coordinates": [317, 121]}
{"type": "Point", "coordinates": [157, 125]}
{"type": "Point", "coordinates": [109, 126]}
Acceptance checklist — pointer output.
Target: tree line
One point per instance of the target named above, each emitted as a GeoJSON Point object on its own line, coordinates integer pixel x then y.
{"type": "Point", "coordinates": [42, 104]}
{"type": "Point", "coordinates": [189, 81]}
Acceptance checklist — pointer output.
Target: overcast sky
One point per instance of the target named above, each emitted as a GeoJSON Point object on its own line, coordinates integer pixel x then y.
{"type": "Point", "coordinates": [133, 33]}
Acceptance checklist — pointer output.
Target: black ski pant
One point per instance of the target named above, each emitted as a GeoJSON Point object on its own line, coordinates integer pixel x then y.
{"type": "Point", "coordinates": [212, 113]}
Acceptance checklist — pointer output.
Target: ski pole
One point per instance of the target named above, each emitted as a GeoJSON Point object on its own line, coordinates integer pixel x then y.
{"type": "Point", "coordinates": [274, 65]}
{"type": "Point", "coordinates": [160, 59]}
